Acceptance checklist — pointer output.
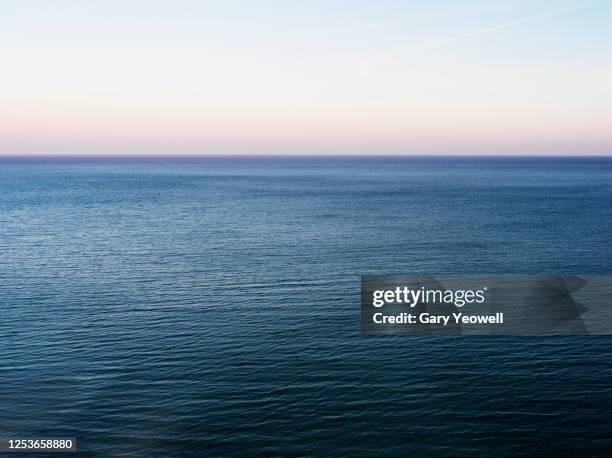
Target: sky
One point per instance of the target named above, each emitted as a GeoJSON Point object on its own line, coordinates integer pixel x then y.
{"type": "Point", "coordinates": [306, 77]}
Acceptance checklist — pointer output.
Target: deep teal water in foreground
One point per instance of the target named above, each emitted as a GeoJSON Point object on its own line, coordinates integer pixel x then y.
{"type": "Point", "coordinates": [210, 307]}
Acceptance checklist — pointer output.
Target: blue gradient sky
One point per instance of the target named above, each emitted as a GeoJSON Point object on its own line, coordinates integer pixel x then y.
{"type": "Point", "coordinates": [297, 77]}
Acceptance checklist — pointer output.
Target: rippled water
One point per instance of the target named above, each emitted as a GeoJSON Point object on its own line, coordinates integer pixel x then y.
{"type": "Point", "coordinates": [210, 307]}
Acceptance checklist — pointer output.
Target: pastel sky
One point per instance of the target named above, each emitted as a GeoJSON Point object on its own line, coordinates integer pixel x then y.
{"type": "Point", "coordinates": [305, 77]}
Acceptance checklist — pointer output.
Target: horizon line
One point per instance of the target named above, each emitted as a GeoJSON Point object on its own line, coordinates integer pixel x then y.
{"type": "Point", "coordinates": [289, 155]}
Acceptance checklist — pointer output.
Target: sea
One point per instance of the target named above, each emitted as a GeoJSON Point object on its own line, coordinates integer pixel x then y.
{"type": "Point", "coordinates": [210, 306]}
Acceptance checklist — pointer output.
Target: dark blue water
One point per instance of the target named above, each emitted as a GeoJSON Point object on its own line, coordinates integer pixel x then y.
{"type": "Point", "coordinates": [210, 307]}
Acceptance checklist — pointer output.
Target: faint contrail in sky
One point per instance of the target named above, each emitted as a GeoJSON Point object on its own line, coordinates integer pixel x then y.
{"type": "Point", "coordinates": [610, 28]}
{"type": "Point", "coordinates": [505, 25]}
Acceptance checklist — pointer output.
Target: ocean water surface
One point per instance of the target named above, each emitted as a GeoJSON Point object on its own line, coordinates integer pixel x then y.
{"type": "Point", "coordinates": [210, 306]}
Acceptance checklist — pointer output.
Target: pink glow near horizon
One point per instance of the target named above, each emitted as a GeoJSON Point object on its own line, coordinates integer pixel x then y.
{"type": "Point", "coordinates": [522, 87]}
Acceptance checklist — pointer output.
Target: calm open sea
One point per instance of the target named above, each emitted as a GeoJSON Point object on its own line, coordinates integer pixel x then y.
{"type": "Point", "coordinates": [166, 307]}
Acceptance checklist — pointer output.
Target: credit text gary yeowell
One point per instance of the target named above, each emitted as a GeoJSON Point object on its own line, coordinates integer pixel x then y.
{"type": "Point", "coordinates": [422, 296]}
